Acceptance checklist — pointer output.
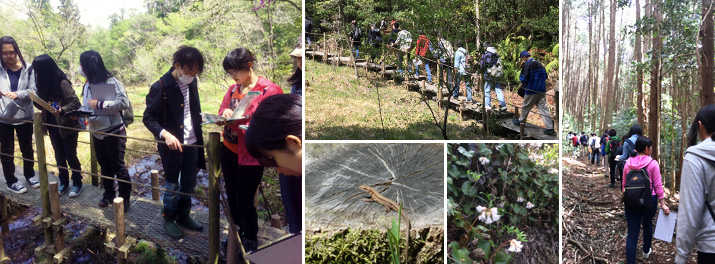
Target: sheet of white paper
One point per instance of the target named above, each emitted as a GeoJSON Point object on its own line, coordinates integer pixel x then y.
{"type": "Point", "coordinates": [103, 92]}
{"type": "Point", "coordinates": [665, 226]}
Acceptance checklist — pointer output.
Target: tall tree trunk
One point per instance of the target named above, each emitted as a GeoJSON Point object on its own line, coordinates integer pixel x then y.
{"type": "Point", "coordinates": [611, 65]}
{"type": "Point", "coordinates": [639, 73]}
{"type": "Point", "coordinates": [476, 11]}
{"type": "Point", "coordinates": [654, 113]}
{"type": "Point", "coordinates": [706, 56]}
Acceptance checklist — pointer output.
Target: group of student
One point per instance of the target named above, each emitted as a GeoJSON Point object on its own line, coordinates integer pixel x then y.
{"type": "Point", "coordinates": [273, 137]}
{"type": "Point", "coordinates": [456, 63]}
{"type": "Point", "coordinates": [642, 185]}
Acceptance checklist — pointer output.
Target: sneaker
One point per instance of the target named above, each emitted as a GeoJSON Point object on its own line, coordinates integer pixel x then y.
{"type": "Point", "coordinates": [63, 189]}
{"type": "Point", "coordinates": [34, 182]}
{"type": "Point", "coordinates": [516, 122]}
{"type": "Point", "coordinates": [503, 108]}
{"type": "Point", "coordinates": [172, 229]}
{"type": "Point", "coordinates": [550, 132]}
{"type": "Point", "coordinates": [103, 203]}
{"type": "Point", "coordinates": [17, 188]}
{"type": "Point", "coordinates": [647, 255]}
{"type": "Point", "coordinates": [249, 245]}
{"type": "Point", "coordinates": [612, 185]}
{"type": "Point", "coordinates": [76, 190]}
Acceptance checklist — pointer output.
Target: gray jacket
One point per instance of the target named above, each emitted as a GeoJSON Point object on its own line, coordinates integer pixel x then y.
{"type": "Point", "coordinates": [10, 110]}
{"type": "Point", "coordinates": [107, 123]}
{"type": "Point", "coordinates": [696, 228]}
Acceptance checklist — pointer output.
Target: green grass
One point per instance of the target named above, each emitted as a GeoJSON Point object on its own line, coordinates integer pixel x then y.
{"type": "Point", "coordinates": [341, 107]}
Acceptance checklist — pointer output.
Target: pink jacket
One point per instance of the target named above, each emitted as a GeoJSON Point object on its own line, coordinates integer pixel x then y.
{"type": "Point", "coordinates": [640, 161]}
{"type": "Point", "coordinates": [266, 88]}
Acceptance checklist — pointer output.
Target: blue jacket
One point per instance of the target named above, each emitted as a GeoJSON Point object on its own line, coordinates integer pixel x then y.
{"type": "Point", "coordinates": [533, 77]}
{"type": "Point", "coordinates": [628, 148]}
{"type": "Point", "coordinates": [460, 60]}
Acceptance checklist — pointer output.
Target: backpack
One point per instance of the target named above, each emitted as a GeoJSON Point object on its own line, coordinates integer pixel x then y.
{"type": "Point", "coordinates": [308, 25]}
{"type": "Point", "coordinates": [374, 37]}
{"type": "Point", "coordinates": [583, 139]}
{"type": "Point", "coordinates": [633, 148]}
{"type": "Point", "coordinates": [406, 43]}
{"type": "Point", "coordinates": [638, 192]}
{"type": "Point", "coordinates": [448, 49]}
{"type": "Point", "coordinates": [128, 114]}
{"type": "Point", "coordinates": [496, 70]}
{"type": "Point", "coordinates": [613, 145]}
{"type": "Point", "coordinates": [357, 33]}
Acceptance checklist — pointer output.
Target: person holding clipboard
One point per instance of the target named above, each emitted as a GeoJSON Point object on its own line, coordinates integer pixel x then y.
{"type": "Point", "coordinates": [54, 87]}
{"type": "Point", "coordinates": [105, 97]}
{"type": "Point", "coordinates": [15, 106]}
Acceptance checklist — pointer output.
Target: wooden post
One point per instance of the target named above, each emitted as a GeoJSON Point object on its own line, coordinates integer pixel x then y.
{"type": "Point", "coordinates": [119, 225]}
{"type": "Point", "coordinates": [232, 246]}
{"type": "Point", "coordinates": [214, 172]}
{"type": "Point", "coordinates": [556, 115]}
{"type": "Point", "coordinates": [516, 112]}
{"type": "Point", "coordinates": [325, 49]}
{"type": "Point", "coordinates": [485, 114]}
{"type": "Point", "coordinates": [3, 257]}
{"type": "Point", "coordinates": [461, 109]}
{"type": "Point", "coordinates": [56, 217]}
{"type": "Point", "coordinates": [93, 162]}
{"type": "Point", "coordinates": [155, 185]}
{"type": "Point", "coordinates": [522, 125]}
{"type": "Point", "coordinates": [44, 185]}
{"type": "Point", "coordinates": [4, 217]}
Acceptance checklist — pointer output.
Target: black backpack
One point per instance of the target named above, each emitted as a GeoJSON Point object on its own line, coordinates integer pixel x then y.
{"type": "Point", "coordinates": [357, 33]}
{"type": "Point", "coordinates": [613, 145]}
{"type": "Point", "coordinates": [638, 192]}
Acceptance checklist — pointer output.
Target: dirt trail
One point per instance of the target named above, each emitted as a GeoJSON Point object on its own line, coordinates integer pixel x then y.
{"type": "Point", "coordinates": [594, 217]}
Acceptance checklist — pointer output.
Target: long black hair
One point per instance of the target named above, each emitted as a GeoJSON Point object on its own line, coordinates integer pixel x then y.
{"type": "Point", "coordinates": [635, 130]}
{"type": "Point", "coordinates": [93, 67]}
{"type": "Point", "coordinates": [706, 115]}
{"type": "Point", "coordinates": [9, 40]}
{"type": "Point", "coordinates": [277, 117]}
{"type": "Point", "coordinates": [48, 77]}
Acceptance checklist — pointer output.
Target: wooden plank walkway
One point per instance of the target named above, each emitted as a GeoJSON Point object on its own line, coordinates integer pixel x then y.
{"type": "Point", "coordinates": [142, 221]}
{"type": "Point", "coordinates": [471, 109]}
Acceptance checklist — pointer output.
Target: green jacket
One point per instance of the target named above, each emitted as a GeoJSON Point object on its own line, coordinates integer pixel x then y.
{"type": "Point", "coordinates": [608, 146]}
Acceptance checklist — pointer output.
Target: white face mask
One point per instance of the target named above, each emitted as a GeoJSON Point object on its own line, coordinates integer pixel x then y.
{"type": "Point", "coordinates": [185, 79]}
{"type": "Point", "coordinates": [81, 72]}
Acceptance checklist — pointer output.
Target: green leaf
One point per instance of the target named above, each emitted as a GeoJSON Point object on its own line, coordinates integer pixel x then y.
{"type": "Point", "coordinates": [502, 257]}
{"type": "Point", "coordinates": [485, 245]}
{"type": "Point", "coordinates": [468, 189]}
{"type": "Point", "coordinates": [460, 254]}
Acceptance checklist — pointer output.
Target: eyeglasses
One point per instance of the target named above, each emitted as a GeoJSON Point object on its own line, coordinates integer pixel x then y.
{"type": "Point", "coordinates": [9, 54]}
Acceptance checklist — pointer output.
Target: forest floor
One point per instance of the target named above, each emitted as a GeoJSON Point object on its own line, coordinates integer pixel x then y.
{"type": "Point", "coordinates": [594, 222]}
{"type": "Point", "coordinates": [338, 106]}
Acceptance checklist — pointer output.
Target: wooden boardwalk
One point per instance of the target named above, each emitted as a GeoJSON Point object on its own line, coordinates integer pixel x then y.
{"type": "Point", "coordinates": [142, 221]}
{"type": "Point", "coordinates": [466, 109]}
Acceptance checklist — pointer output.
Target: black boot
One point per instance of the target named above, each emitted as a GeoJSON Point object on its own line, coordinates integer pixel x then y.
{"type": "Point", "coordinates": [172, 229]}
{"type": "Point", "coordinates": [183, 218]}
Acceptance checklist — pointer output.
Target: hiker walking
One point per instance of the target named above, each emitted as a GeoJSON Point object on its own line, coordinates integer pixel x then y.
{"type": "Point", "coordinates": [423, 44]}
{"type": "Point", "coordinates": [629, 142]}
{"type": "Point", "coordinates": [696, 225]}
{"type": "Point", "coordinates": [641, 173]}
{"type": "Point", "coordinates": [446, 54]}
{"type": "Point", "coordinates": [460, 64]}
{"type": "Point", "coordinates": [374, 38]}
{"type": "Point", "coordinates": [595, 144]}
{"type": "Point", "coordinates": [355, 35]}
{"type": "Point", "coordinates": [533, 79]}
{"type": "Point", "coordinates": [493, 71]}
{"type": "Point", "coordinates": [611, 149]}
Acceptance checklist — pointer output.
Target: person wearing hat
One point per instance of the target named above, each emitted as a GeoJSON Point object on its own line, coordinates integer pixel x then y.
{"type": "Point", "coordinates": [296, 80]}
{"type": "Point", "coordinates": [533, 80]}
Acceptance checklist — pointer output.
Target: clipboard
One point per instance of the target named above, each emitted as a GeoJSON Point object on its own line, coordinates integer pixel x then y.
{"type": "Point", "coordinates": [103, 92]}
{"type": "Point", "coordinates": [43, 104]}
{"type": "Point", "coordinates": [238, 113]}
{"type": "Point", "coordinates": [80, 113]}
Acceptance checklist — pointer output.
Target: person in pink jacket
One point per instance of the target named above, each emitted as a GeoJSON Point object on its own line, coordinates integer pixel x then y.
{"type": "Point", "coordinates": [634, 218]}
{"type": "Point", "coordinates": [242, 172]}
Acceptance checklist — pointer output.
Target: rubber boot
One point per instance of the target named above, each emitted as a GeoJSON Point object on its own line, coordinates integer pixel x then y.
{"type": "Point", "coordinates": [172, 229]}
{"type": "Point", "coordinates": [183, 218]}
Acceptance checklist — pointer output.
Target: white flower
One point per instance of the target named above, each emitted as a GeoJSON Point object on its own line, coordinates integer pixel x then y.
{"type": "Point", "coordinates": [520, 199]}
{"type": "Point", "coordinates": [529, 205]}
{"type": "Point", "coordinates": [488, 215]}
{"type": "Point", "coordinates": [515, 246]}
{"type": "Point", "coordinates": [484, 161]}
{"type": "Point", "coordinates": [554, 171]}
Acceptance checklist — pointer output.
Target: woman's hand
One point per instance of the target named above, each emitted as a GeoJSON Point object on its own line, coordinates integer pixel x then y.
{"type": "Point", "coordinates": [227, 113]}
{"type": "Point", "coordinates": [666, 210]}
{"type": "Point", "coordinates": [11, 95]}
{"type": "Point", "coordinates": [93, 103]}
{"type": "Point", "coordinates": [172, 141]}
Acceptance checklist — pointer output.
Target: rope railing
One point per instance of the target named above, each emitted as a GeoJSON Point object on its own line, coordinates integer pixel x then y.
{"type": "Point", "coordinates": [109, 178]}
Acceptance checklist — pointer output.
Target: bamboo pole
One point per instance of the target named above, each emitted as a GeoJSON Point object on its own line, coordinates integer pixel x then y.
{"type": "Point", "coordinates": [44, 185]}
{"type": "Point", "coordinates": [119, 225]}
{"type": "Point", "coordinates": [155, 194]}
{"type": "Point", "coordinates": [56, 216]}
{"type": "Point", "coordinates": [214, 172]}
{"type": "Point", "coordinates": [93, 163]}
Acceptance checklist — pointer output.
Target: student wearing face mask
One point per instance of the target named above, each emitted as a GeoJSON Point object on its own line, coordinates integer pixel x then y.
{"type": "Point", "coordinates": [241, 171]}
{"type": "Point", "coordinates": [15, 84]}
{"type": "Point", "coordinates": [173, 115]}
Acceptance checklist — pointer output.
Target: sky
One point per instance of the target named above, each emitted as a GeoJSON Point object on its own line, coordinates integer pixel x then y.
{"type": "Point", "coordinates": [96, 12]}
